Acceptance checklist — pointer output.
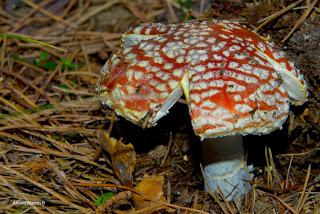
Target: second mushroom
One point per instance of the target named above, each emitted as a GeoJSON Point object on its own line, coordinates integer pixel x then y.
{"type": "Point", "coordinates": [234, 81]}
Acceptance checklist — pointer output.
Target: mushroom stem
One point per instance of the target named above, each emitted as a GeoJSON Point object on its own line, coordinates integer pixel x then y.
{"type": "Point", "coordinates": [224, 166]}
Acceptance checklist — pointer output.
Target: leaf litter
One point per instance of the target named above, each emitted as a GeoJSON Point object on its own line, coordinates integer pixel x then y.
{"type": "Point", "coordinates": [50, 56]}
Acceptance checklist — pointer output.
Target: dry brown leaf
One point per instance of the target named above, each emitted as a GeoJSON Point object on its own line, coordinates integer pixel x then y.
{"type": "Point", "coordinates": [123, 157]}
{"type": "Point", "coordinates": [150, 188]}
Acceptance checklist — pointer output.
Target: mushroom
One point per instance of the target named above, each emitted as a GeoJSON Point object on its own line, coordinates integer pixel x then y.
{"type": "Point", "coordinates": [234, 81]}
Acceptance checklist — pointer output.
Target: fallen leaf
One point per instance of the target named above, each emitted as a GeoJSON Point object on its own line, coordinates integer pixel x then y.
{"type": "Point", "coordinates": [150, 188]}
{"type": "Point", "coordinates": [123, 157]}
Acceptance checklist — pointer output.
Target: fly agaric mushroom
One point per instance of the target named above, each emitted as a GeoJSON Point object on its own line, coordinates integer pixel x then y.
{"type": "Point", "coordinates": [235, 83]}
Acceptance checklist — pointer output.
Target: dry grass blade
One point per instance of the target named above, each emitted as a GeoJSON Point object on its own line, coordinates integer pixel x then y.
{"type": "Point", "coordinates": [29, 39]}
{"type": "Point", "coordinates": [284, 204]}
{"type": "Point", "coordinates": [300, 154]}
{"type": "Point", "coordinates": [274, 169]}
{"type": "Point", "coordinates": [288, 171]}
{"type": "Point", "coordinates": [269, 170]}
{"type": "Point", "coordinates": [301, 199]}
{"type": "Point", "coordinates": [253, 199]}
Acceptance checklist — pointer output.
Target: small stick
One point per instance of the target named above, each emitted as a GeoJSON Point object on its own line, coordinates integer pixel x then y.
{"type": "Point", "coordinates": [300, 154]}
{"type": "Point", "coordinates": [253, 199]}
{"type": "Point", "coordinates": [300, 205]}
{"type": "Point", "coordinates": [288, 172]}
{"type": "Point", "coordinates": [284, 204]}
{"type": "Point", "coordinates": [168, 191]}
{"type": "Point", "coordinates": [219, 202]}
{"type": "Point", "coordinates": [305, 199]}
{"type": "Point", "coordinates": [277, 14]}
{"type": "Point", "coordinates": [274, 169]}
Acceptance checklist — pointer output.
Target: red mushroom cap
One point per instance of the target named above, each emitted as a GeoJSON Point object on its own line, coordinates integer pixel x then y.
{"type": "Point", "coordinates": [234, 80]}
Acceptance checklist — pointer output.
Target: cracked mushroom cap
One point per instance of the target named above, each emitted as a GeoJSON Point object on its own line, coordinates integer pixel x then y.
{"type": "Point", "coordinates": [235, 82]}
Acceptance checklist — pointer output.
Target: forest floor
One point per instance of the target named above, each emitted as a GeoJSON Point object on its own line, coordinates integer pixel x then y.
{"type": "Point", "coordinates": [54, 154]}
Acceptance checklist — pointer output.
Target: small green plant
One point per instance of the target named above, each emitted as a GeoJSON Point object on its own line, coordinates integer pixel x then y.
{"type": "Point", "coordinates": [185, 5]}
{"type": "Point", "coordinates": [68, 64]}
{"type": "Point", "coordinates": [65, 87]}
{"type": "Point", "coordinates": [27, 111]}
{"type": "Point", "coordinates": [29, 39]}
{"type": "Point", "coordinates": [44, 62]}
{"type": "Point", "coordinates": [47, 62]}
{"type": "Point", "coordinates": [103, 198]}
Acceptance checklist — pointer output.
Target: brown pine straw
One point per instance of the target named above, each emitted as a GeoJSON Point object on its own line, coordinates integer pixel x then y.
{"type": "Point", "coordinates": [43, 150]}
{"type": "Point", "coordinates": [45, 12]}
{"type": "Point", "coordinates": [55, 150]}
{"type": "Point", "coordinates": [48, 190]}
{"type": "Point", "coordinates": [20, 194]}
{"type": "Point", "coordinates": [19, 25]}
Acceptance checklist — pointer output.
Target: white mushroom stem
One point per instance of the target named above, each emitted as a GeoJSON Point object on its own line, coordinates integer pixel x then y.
{"type": "Point", "coordinates": [224, 166]}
